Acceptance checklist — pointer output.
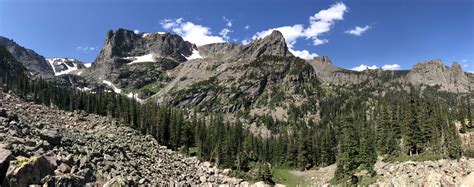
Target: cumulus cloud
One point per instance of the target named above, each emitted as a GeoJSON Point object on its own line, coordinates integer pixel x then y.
{"type": "Point", "coordinates": [197, 34]}
{"type": "Point", "coordinates": [322, 21]}
{"type": "Point", "coordinates": [357, 31]}
{"type": "Point", "coordinates": [247, 27]}
{"type": "Point", "coordinates": [224, 33]}
{"type": "Point", "coordinates": [319, 23]}
{"type": "Point", "coordinates": [363, 67]}
{"type": "Point", "coordinates": [304, 54]}
{"type": "Point", "coordinates": [391, 67]}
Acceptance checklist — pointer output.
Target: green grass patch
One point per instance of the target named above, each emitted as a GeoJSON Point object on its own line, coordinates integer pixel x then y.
{"type": "Point", "coordinates": [416, 158]}
{"type": "Point", "coordinates": [193, 150]}
{"type": "Point", "coordinates": [285, 177]}
{"type": "Point", "coordinates": [366, 181]}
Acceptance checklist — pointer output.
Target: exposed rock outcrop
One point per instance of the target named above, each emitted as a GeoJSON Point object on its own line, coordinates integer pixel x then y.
{"type": "Point", "coordinates": [33, 62]}
{"type": "Point", "coordinates": [432, 73]}
{"type": "Point", "coordinates": [273, 44]}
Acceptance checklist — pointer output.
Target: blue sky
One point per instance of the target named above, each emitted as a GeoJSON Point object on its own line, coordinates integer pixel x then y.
{"type": "Point", "coordinates": [397, 32]}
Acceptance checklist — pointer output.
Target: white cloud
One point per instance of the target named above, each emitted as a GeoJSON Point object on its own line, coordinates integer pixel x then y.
{"type": "Point", "coordinates": [136, 31]}
{"type": "Point", "coordinates": [318, 41]}
{"type": "Point", "coordinates": [86, 48]}
{"type": "Point", "coordinates": [224, 33]}
{"type": "Point", "coordinates": [319, 23]}
{"type": "Point", "coordinates": [290, 33]}
{"type": "Point", "coordinates": [391, 67]}
{"type": "Point", "coordinates": [170, 23]}
{"type": "Point", "coordinates": [363, 67]}
{"type": "Point", "coordinates": [324, 20]}
{"type": "Point", "coordinates": [246, 41]}
{"type": "Point", "coordinates": [357, 31]}
{"type": "Point", "coordinates": [228, 21]}
{"type": "Point", "coordinates": [197, 34]}
{"type": "Point", "coordinates": [304, 54]}
{"type": "Point", "coordinates": [247, 27]}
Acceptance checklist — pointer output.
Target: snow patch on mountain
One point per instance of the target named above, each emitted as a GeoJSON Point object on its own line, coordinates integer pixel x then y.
{"type": "Point", "coordinates": [194, 55]}
{"type": "Point", "coordinates": [139, 59]}
{"type": "Point", "coordinates": [65, 62]}
{"type": "Point", "coordinates": [110, 84]}
{"type": "Point", "coordinates": [118, 90]}
{"type": "Point", "coordinates": [148, 34]}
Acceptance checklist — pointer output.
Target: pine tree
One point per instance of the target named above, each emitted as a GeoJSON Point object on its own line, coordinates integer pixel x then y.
{"type": "Point", "coordinates": [347, 160]}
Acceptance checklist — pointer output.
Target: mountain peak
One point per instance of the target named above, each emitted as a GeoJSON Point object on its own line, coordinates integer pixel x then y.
{"type": "Point", "coordinates": [273, 44]}
{"type": "Point", "coordinates": [277, 35]}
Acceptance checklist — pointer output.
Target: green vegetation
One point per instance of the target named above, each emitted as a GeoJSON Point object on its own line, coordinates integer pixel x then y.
{"type": "Point", "coordinates": [283, 176]}
{"type": "Point", "coordinates": [418, 158]}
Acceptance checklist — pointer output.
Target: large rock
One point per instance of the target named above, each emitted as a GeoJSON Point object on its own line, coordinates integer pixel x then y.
{"type": "Point", "coordinates": [28, 171]}
{"type": "Point", "coordinates": [52, 136]}
{"type": "Point", "coordinates": [5, 156]}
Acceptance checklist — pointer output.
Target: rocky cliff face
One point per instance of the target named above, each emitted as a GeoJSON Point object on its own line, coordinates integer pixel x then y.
{"type": "Point", "coordinates": [451, 79]}
{"type": "Point", "coordinates": [132, 60]}
{"type": "Point", "coordinates": [39, 145]}
{"type": "Point", "coordinates": [34, 63]}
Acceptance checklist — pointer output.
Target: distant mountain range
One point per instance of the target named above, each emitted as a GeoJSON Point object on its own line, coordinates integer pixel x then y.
{"type": "Point", "coordinates": [219, 77]}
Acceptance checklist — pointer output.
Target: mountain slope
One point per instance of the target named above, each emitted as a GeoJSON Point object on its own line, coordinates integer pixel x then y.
{"type": "Point", "coordinates": [9, 66]}
{"type": "Point", "coordinates": [34, 63]}
{"type": "Point", "coordinates": [74, 149]}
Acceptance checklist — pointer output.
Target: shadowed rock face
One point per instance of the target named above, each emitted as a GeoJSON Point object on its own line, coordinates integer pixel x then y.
{"type": "Point", "coordinates": [34, 63]}
{"type": "Point", "coordinates": [126, 43]}
{"type": "Point", "coordinates": [123, 47]}
{"type": "Point", "coordinates": [9, 65]}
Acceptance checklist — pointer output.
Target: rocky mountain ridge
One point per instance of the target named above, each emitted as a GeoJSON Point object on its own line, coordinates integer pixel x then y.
{"type": "Point", "coordinates": [32, 61]}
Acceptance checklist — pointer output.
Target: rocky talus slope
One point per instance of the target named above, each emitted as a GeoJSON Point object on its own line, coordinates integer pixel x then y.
{"type": "Point", "coordinates": [410, 173]}
{"type": "Point", "coordinates": [40, 145]}
{"type": "Point", "coordinates": [427, 173]}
